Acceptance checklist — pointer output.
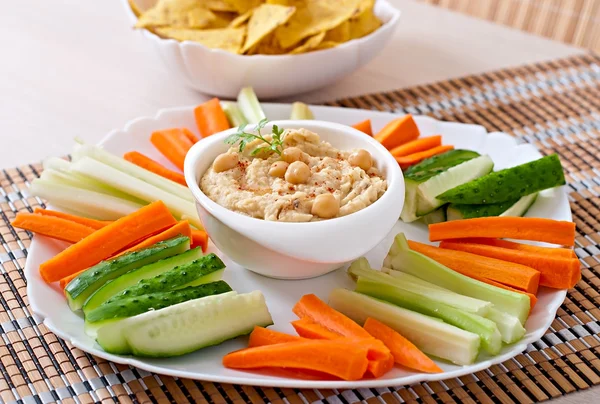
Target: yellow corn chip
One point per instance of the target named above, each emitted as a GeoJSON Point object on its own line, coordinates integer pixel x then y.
{"type": "Point", "coordinates": [229, 39]}
{"type": "Point", "coordinates": [217, 5]}
{"type": "Point", "coordinates": [222, 19]}
{"type": "Point", "coordinates": [314, 16]}
{"type": "Point", "coordinates": [200, 18]}
{"type": "Point", "coordinates": [265, 19]}
{"type": "Point", "coordinates": [327, 45]}
{"type": "Point", "coordinates": [135, 8]}
{"type": "Point", "coordinates": [310, 44]}
{"type": "Point", "coordinates": [341, 33]}
{"type": "Point", "coordinates": [243, 6]}
{"type": "Point", "coordinates": [363, 24]}
{"type": "Point", "coordinates": [174, 13]}
{"type": "Point", "coordinates": [240, 19]}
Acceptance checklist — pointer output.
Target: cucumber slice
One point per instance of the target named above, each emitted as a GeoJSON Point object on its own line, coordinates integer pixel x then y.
{"type": "Point", "coordinates": [437, 216]}
{"type": "Point", "coordinates": [188, 326]}
{"type": "Point", "coordinates": [131, 306]}
{"type": "Point", "coordinates": [457, 211]}
{"type": "Point", "coordinates": [424, 290]}
{"type": "Point", "coordinates": [233, 113]}
{"type": "Point", "coordinates": [409, 210]}
{"type": "Point", "coordinates": [467, 171]}
{"type": "Point", "coordinates": [249, 105]}
{"type": "Point", "coordinates": [82, 287]}
{"type": "Point", "coordinates": [115, 286]}
{"type": "Point", "coordinates": [509, 326]}
{"type": "Point", "coordinates": [430, 335]}
{"type": "Point", "coordinates": [509, 184]}
{"type": "Point", "coordinates": [402, 258]}
{"type": "Point", "coordinates": [301, 111]}
{"type": "Point", "coordinates": [423, 303]}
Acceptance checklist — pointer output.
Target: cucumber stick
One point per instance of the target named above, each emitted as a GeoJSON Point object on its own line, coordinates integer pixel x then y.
{"type": "Point", "coordinates": [509, 184]}
{"type": "Point", "coordinates": [111, 288]}
{"type": "Point", "coordinates": [454, 176]}
{"type": "Point", "coordinates": [457, 211]}
{"type": "Point", "coordinates": [424, 291]}
{"type": "Point", "coordinates": [491, 341]}
{"type": "Point", "coordinates": [249, 105]}
{"type": "Point", "coordinates": [301, 111]}
{"type": "Point", "coordinates": [186, 327]}
{"type": "Point", "coordinates": [402, 258]}
{"type": "Point", "coordinates": [509, 326]}
{"type": "Point", "coordinates": [83, 286]}
{"type": "Point", "coordinates": [131, 306]}
{"type": "Point", "coordinates": [437, 216]}
{"type": "Point", "coordinates": [432, 336]}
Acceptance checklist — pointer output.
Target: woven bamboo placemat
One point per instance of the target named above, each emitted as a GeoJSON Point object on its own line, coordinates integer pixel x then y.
{"type": "Point", "coordinates": [554, 105]}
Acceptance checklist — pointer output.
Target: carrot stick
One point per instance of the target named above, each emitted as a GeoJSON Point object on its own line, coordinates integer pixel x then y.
{"type": "Point", "coordinates": [532, 297]}
{"type": "Point", "coordinates": [415, 158]}
{"type": "Point", "coordinates": [54, 227]}
{"type": "Point", "coordinates": [307, 328]}
{"type": "Point", "coordinates": [515, 275]}
{"type": "Point", "coordinates": [405, 353]}
{"type": "Point", "coordinates": [192, 138]}
{"type": "Point", "coordinates": [555, 272]}
{"type": "Point", "coordinates": [210, 118]}
{"type": "Point", "coordinates": [181, 228]}
{"type": "Point", "coordinates": [199, 239]}
{"type": "Point", "coordinates": [261, 336]}
{"type": "Point", "coordinates": [364, 126]}
{"type": "Point", "coordinates": [344, 359]}
{"type": "Point", "coordinates": [416, 146]}
{"type": "Point", "coordinates": [553, 251]}
{"type": "Point", "coordinates": [94, 224]}
{"type": "Point", "coordinates": [519, 228]}
{"type": "Point", "coordinates": [147, 163]}
{"type": "Point", "coordinates": [399, 131]}
{"type": "Point", "coordinates": [173, 144]}
{"type": "Point", "coordinates": [107, 241]}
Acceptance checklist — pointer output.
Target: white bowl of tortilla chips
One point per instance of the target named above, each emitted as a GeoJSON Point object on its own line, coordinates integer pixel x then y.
{"type": "Point", "coordinates": [279, 47]}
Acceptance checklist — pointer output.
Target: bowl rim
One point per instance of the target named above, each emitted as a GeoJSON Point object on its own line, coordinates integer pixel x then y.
{"type": "Point", "coordinates": [394, 176]}
{"type": "Point", "coordinates": [386, 26]}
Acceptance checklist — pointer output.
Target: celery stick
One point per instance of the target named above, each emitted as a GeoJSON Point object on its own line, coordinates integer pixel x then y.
{"type": "Point", "coordinates": [422, 288]}
{"type": "Point", "coordinates": [92, 204]}
{"type": "Point", "coordinates": [136, 187]}
{"type": "Point", "coordinates": [249, 105]}
{"type": "Point", "coordinates": [301, 111]}
{"type": "Point", "coordinates": [117, 163]}
{"type": "Point", "coordinates": [233, 113]}
{"type": "Point", "coordinates": [402, 258]}
{"type": "Point", "coordinates": [491, 341]}
{"type": "Point", "coordinates": [432, 336]}
{"type": "Point", "coordinates": [56, 163]}
{"type": "Point", "coordinates": [509, 326]}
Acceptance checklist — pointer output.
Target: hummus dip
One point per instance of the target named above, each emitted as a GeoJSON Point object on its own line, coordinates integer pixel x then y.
{"type": "Point", "coordinates": [251, 186]}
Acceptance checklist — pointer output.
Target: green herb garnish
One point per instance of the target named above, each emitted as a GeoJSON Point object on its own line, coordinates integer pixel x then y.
{"type": "Point", "coordinates": [242, 138]}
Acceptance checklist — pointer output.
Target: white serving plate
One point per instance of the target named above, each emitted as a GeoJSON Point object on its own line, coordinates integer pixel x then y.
{"type": "Point", "coordinates": [48, 302]}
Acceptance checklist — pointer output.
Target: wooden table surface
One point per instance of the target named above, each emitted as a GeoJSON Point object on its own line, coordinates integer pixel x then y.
{"type": "Point", "coordinates": [74, 68]}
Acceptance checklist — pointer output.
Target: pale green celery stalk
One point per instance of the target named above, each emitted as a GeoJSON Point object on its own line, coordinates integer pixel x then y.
{"type": "Point", "coordinates": [491, 340]}
{"type": "Point", "coordinates": [89, 203]}
{"type": "Point", "coordinates": [301, 111]}
{"type": "Point", "coordinates": [430, 335]}
{"type": "Point", "coordinates": [56, 163]}
{"type": "Point", "coordinates": [97, 153]}
{"type": "Point", "coordinates": [402, 258]}
{"type": "Point", "coordinates": [423, 289]}
{"type": "Point", "coordinates": [509, 326]}
{"type": "Point", "coordinates": [136, 187]}
{"type": "Point", "coordinates": [249, 105]}
{"type": "Point", "coordinates": [233, 113]}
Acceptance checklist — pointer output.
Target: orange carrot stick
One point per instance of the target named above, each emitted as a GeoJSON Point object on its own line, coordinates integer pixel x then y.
{"type": "Point", "coordinates": [553, 251]}
{"type": "Point", "coordinates": [147, 163]}
{"type": "Point", "coordinates": [344, 359]}
{"type": "Point", "coordinates": [399, 131]}
{"type": "Point", "coordinates": [519, 228]}
{"type": "Point", "coordinates": [54, 227]}
{"type": "Point", "coordinates": [515, 275]}
{"type": "Point", "coordinates": [416, 146]}
{"type": "Point", "coordinates": [364, 126]}
{"type": "Point", "coordinates": [261, 336]}
{"type": "Point", "coordinates": [94, 224]}
{"type": "Point", "coordinates": [210, 118]}
{"type": "Point", "coordinates": [107, 241]}
{"type": "Point", "coordinates": [415, 158]}
{"type": "Point", "coordinates": [555, 272]}
{"type": "Point", "coordinates": [192, 138]}
{"type": "Point", "coordinates": [173, 144]}
{"type": "Point", "coordinates": [307, 328]}
{"type": "Point", "coordinates": [532, 297]}
{"type": "Point", "coordinates": [199, 239]}
{"type": "Point", "coordinates": [405, 353]}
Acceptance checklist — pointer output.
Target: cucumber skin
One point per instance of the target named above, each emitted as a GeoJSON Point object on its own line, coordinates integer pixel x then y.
{"type": "Point", "coordinates": [437, 216]}
{"type": "Point", "coordinates": [80, 288]}
{"type": "Point", "coordinates": [132, 306]}
{"type": "Point", "coordinates": [464, 211]}
{"type": "Point", "coordinates": [509, 184]}
{"type": "Point", "coordinates": [434, 165]}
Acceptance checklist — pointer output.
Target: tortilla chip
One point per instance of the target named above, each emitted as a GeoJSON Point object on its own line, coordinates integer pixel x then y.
{"type": "Point", "coordinates": [341, 33]}
{"type": "Point", "coordinates": [269, 45]}
{"type": "Point", "coordinates": [265, 19]}
{"type": "Point", "coordinates": [222, 19]}
{"type": "Point", "coordinates": [243, 6]}
{"type": "Point", "coordinates": [327, 45]}
{"type": "Point", "coordinates": [173, 13]}
{"type": "Point", "coordinates": [314, 16]}
{"type": "Point", "coordinates": [363, 24]}
{"type": "Point", "coordinates": [240, 19]}
{"type": "Point", "coordinates": [310, 44]}
{"type": "Point", "coordinates": [229, 39]}
{"type": "Point", "coordinates": [200, 18]}
{"type": "Point", "coordinates": [135, 8]}
{"type": "Point", "coordinates": [217, 5]}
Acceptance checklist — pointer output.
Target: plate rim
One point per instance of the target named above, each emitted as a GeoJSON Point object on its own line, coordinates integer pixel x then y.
{"type": "Point", "coordinates": [254, 379]}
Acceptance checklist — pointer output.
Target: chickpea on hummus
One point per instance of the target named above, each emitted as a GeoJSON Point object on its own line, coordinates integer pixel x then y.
{"type": "Point", "coordinates": [305, 180]}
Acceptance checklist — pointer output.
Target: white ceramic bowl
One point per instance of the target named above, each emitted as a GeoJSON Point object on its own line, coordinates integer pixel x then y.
{"type": "Point", "coordinates": [221, 73]}
{"type": "Point", "coordinates": [298, 250]}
